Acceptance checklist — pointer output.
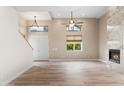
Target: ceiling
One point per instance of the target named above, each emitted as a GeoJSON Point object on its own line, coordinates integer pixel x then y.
{"type": "Point", "coordinates": [49, 12]}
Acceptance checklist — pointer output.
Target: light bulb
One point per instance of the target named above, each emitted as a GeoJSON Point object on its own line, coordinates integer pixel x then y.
{"type": "Point", "coordinates": [71, 21]}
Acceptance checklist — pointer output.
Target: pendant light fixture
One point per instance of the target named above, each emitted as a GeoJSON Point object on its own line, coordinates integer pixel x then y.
{"type": "Point", "coordinates": [35, 24]}
{"type": "Point", "coordinates": [71, 21]}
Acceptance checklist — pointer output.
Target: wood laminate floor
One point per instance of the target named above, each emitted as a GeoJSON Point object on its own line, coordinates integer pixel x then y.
{"type": "Point", "coordinates": [71, 73]}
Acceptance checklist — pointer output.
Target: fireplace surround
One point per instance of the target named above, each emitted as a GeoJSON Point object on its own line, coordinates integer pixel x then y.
{"type": "Point", "coordinates": [114, 55]}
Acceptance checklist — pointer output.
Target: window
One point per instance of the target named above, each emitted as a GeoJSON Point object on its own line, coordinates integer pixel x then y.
{"type": "Point", "coordinates": [39, 29]}
{"type": "Point", "coordinates": [73, 46]}
{"type": "Point", "coordinates": [74, 43]}
{"type": "Point", "coordinates": [70, 46]}
{"type": "Point", "coordinates": [77, 45]}
{"type": "Point", "coordinates": [73, 28]}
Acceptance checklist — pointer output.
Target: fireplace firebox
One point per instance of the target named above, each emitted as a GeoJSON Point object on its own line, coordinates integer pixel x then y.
{"type": "Point", "coordinates": [114, 55]}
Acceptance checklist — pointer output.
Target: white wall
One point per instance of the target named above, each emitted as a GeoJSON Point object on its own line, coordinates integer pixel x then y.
{"type": "Point", "coordinates": [15, 53]}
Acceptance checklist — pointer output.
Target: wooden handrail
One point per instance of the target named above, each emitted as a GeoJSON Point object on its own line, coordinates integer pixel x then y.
{"type": "Point", "coordinates": [25, 39]}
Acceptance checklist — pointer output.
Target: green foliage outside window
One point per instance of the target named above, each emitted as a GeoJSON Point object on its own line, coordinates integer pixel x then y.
{"type": "Point", "coordinates": [78, 46]}
{"type": "Point", "coordinates": [71, 46]}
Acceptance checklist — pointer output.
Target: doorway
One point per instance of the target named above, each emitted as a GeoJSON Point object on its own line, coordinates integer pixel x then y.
{"type": "Point", "coordinates": [40, 47]}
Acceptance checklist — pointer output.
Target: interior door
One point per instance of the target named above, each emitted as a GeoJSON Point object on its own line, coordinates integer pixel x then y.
{"type": "Point", "coordinates": [40, 47]}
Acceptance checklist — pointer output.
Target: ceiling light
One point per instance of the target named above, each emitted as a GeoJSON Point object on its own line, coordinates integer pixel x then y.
{"type": "Point", "coordinates": [35, 24]}
{"type": "Point", "coordinates": [71, 21]}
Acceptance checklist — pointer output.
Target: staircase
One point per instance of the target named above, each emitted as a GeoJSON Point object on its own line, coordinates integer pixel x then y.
{"type": "Point", "coordinates": [25, 39]}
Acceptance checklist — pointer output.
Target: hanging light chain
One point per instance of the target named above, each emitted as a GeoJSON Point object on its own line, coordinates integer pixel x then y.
{"type": "Point", "coordinates": [35, 22]}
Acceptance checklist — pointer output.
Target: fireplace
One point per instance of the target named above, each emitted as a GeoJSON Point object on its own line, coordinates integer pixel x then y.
{"type": "Point", "coordinates": [114, 55]}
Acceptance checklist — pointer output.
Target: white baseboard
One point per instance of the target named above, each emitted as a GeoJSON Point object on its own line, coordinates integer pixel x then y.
{"type": "Point", "coordinates": [14, 77]}
{"type": "Point", "coordinates": [101, 60]}
{"type": "Point", "coordinates": [73, 59]}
